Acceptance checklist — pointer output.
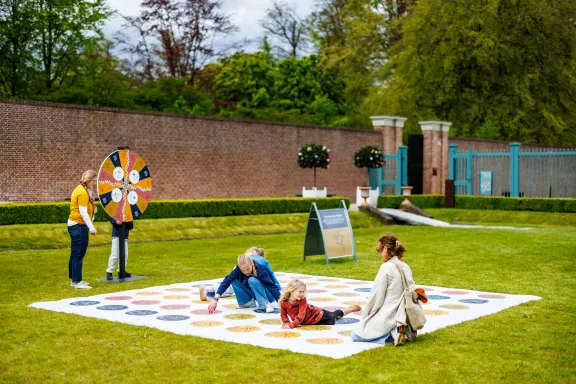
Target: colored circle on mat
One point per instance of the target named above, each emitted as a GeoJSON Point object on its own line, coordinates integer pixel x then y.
{"type": "Point", "coordinates": [321, 299]}
{"type": "Point", "coordinates": [316, 291]}
{"type": "Point", "coordinates": [438, 297]}
{"type": "Point", "coordinates": [315, 327]}
{"type": "Point", "coordinates": [363, 289]}
{"type": "Point", "coordinates": [473, 301]}
{"type": "Point", "coordinates": [204, 312]}
{"type": "Point", "coordinates": [311, 283]}
{"type": "Point", "coordinates": [118, 298]}
{"type": "Point", "coordinates": [240, 316]}
{"type": "Point", "coordinates": [176, 297]}
{"type": "Point", "coordinates": [454, 306]}
{"type": "Point", "coordinates": [178, 289]}
{"type": "Point", "coordinates": [112, 307]}
{"type": "Point", "coordinates": [271, 322]}
{"type": "Point", "coordinates": [84, 303]}
{"type": "Point", "coordinates": [283, 335]}
{"type": "Point", "coordinates": [345, 333]}
{"type": "Point", "coordinates": [148, 293]}
{"type": "Point", "coordinates": [346, 294]}
{"type": "Point", "coordinates": [349, 303]}
{"type": "Point", "coordinates": [358, 282]}
{"type": "Point", "coordinates": [335, 286]}
{"type": "Point", "coordinates": [491, 296]}
{"type": "Point", "coordinates": [173, 317]}
{"type": "Point", "coordinates": [200, 301]}
{"type": "Point", "coordinates": [435, 312]}
{"type": "Point", "coordinates": [347, 320]}
{"type": "Point", "coordinates": [455, 292]}
{"type": "Point", "coordinates": [145, 302]}
{"type": "Point", "coordinates": [243, 329]}
{"type": "Point", "coordinates": [141, 313]}
{"type": "Point", "coordinates": [228, 298]}
{"type": "Point", "coordinates": [175, 306]}
{"type": "Point", "coordinates": [331, 280]}
{"type": "Point", "coordinates": [326, 340]}
{"type": "Point", "coordinates": [283, 281]}
{"type": "Point", "coordinates": [230, 306]}
{"type": "Point", "coordinates": [263, 310]}
{"type": "Point", "coordinates": [206, 323]}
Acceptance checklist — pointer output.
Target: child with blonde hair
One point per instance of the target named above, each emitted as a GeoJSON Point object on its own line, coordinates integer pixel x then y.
{"type": "Point", "coordinates": [295, 310]}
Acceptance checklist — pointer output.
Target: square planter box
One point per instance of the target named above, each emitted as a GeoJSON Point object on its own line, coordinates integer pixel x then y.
{"type": "Point", "coordinates": [314, 192]}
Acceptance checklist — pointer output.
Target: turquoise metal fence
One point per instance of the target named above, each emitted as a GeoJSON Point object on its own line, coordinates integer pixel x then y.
{"type": "Point", "coordinates": [393, 175]}
{"type": "Point", "coordinates": [534, 172]}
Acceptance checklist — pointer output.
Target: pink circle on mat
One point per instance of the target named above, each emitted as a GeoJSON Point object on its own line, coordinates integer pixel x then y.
{"type": "Point", "coordinates": [145, 302]}
{"type": "Point", "coordinates": [492, 296]}
{"type": "Point", "coordinates": [204, 312]}
{"type": "Point", "coordinates": [118, 298]}
{"type": "Point", "coordinates": [175, 306]}
{"type": "Point", "coordinates": [316, 291]}
{"type": "Point", "coordinates": [455, 292]}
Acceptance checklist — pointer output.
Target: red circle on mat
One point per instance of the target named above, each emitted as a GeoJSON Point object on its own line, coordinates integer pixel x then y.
{"type": "Point", "coordinates": [455, 292]}
{"type": "Point", "coordinates": [118, 298]}
{"type": "Point", "coordinates": [491, 296]}
{"type": "Point", "coordinates": [175, 306]}
{"type": "Point", "coordinates": [316, 291]}
{"type": "Point", "coordinates": [145, 302]}
{"type": "Point", "coordinates": [204, 312]}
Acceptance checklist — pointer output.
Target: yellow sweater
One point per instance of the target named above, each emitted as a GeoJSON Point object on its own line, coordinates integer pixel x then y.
{"type": "Point", "coordinates": [80, 198]}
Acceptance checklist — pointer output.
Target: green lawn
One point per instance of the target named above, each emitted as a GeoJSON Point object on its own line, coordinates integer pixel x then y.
{"type": "Point", "coordinates": [534, 342]}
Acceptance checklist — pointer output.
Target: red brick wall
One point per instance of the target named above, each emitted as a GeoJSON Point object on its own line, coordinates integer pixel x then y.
{"type": "Point", "coordinates": [46, 147]}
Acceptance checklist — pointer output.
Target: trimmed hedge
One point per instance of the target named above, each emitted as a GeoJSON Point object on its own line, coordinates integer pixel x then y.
{"type": "Point", "coordinates": [485, 203]}
{"type": "Point", "coordinates": [50, 213]}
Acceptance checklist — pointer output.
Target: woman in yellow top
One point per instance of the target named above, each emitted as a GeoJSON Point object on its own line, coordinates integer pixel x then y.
{"type": "Point", "coordinates": [79, 224]}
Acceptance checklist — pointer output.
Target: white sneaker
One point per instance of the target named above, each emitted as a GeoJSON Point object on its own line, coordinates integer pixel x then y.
{"type": "Point", "coordinates": [82, 285]}
{"type": "Point", "coordinates": [269, 308]}
{"type": "Point", "coordinates": [250, 304]}
{"type": "Point", "coordinates": [203, 295]}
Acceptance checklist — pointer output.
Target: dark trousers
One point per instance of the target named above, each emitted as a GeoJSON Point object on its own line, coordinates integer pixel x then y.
{"type": "Point", "coordinates": [329, 318]}
{"type": "Point", "coordinates": [79, 245]}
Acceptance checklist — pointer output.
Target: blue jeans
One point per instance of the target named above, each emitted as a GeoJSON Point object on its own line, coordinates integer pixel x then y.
{"type": "Point", "coordinates": [254, 290]}
{"type": "Point", "coordinates": [387, 339]}
{"type": "Point", "coordinates": [79, 245]}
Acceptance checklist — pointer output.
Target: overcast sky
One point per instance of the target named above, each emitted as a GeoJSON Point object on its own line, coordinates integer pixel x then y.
{"type": "Point", "coordinates": [244, 14]}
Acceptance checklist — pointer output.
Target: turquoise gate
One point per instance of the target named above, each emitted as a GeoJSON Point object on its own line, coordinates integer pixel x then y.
{"type": "Point", "coordinates": [515, 173]}
{"type": "Point", "coordinates": [393, 175]}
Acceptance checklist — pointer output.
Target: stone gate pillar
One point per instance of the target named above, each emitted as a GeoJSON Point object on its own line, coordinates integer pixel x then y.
{"type": "Point", "coordinates": [435, 156]}
{"type": "Point", "coordinates": [391, 128]}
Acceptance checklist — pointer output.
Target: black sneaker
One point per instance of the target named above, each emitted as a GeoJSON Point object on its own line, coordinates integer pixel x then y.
{"type": "Point", "coordinates": [127, 274]}
{"type": "Point", "coordinates": [109, 276]}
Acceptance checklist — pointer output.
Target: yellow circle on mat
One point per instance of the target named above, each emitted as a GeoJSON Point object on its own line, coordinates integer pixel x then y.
{"type": "Point", "coordinates": [243, 329]}
{"type": "Point", "coordinates": [283, 281]}
{"type": "Point", "coordinates": [354, 302]}
{"type": "Point", "coordinates": [176, 297]}
{"type": "Point", "coordinates": [321, 299]}
{"type": "Point", "coordinates": [228, 298]}
{"type": "Point", "coordinates": [178, 289]}
{"type": "Point", "coordinates": [239, 316]}
{"type": "Point", "coordinates": [200, 302]}
{"type": "Point", "coordinates": [345, 333]}
{"type": "Point", "coordinates": [311, 283]}
{"type": "Point", "coordinates": [283, 335]}
{"type": "Point", "coordinates": [435, 312]}
{"type": "Point", "coordinates": [454, 306]}
{"type": "Point", "coordinates": [326, 340]}
{"type": "Point", "coordinates": [230, 306]}
{"type": "Point", "coordinates": [271, 322]}
{"type": "Point", "coordinates": [206, 323]}
{"type": "Point", "coordinates": [359, 282]}
{"type": "Point", "coordinates": [335, 286]}
{"type": "Point", "coordinates": [346, 294]}
{"type": "Point", "coordinates": [148, 293]}
{"type": "Point", "coordinates": [315, 327]}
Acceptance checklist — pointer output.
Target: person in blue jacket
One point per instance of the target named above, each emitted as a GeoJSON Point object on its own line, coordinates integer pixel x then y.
{"type": "Point", "coordinates": [115, 252]}
{"type": "Point", "coordinates": [253, 282]}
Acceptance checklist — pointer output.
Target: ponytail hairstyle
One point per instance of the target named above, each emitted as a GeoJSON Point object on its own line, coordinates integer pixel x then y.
{"type": "Point", "coordinates": [255, 251]}
{"type": "Point", "coordinates": [291, 287]}
{"type": "Point", "coordinates": [395, 247]}
{"type": "Point", "coordinates": [245, 259]}
{"type": "Point", "coordinates": [88, 176]}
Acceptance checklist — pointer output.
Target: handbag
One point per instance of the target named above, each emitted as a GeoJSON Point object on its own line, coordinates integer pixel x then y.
{"type": "Point", "coordinates": [414, 311]}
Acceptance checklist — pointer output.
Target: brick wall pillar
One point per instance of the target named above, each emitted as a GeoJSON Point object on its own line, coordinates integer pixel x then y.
{"type": "Point", "coordinates": [391, 128]}
{"type": "Point", "coordinates": [435, 155]}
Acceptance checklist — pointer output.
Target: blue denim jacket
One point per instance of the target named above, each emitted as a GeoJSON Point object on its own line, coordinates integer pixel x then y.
{"type": "Point", "coordinates": [264, 274]}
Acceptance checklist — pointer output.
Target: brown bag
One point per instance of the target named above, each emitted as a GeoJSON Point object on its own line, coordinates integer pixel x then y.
{"type": "Point", "coordinates": [414, 312]}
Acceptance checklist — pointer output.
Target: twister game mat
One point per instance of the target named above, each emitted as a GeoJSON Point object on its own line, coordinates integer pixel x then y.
{"type": "Point", "coordinates": [177, 308]}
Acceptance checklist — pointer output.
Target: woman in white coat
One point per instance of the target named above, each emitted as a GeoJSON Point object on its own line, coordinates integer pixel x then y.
{"type": "Point", "coordinates": [384, 316]}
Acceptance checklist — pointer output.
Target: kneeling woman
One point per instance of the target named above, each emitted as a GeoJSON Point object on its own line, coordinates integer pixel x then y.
{"type": "Point", "coordinates": [253, 282]}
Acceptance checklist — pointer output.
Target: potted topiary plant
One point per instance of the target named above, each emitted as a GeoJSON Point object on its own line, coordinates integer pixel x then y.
{"type": "Point", "coordinates": [314, 156]}
{"type": "Point", "coordinates": [368, 157]}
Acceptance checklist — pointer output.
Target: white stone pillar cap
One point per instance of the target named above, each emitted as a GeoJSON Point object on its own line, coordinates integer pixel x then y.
{"type": "Point", "coordinates": [388, 121]}
{"type": "Point", "coordinates": [433, 125]}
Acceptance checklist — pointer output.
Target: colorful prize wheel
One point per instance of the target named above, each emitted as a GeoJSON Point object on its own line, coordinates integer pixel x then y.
{"type": "Point", "coordinates": [124, 185]}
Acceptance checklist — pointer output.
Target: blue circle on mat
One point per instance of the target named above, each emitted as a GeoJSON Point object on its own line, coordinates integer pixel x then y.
{"type": "Point", "coordinates": [472, 301]}
{"type": "Point", "coordinates": [438, 297]}
{"type": "Point", "coordinates": [263, 310]}
{"type": "Point", "coordinates": [347, 320]}
{"type": "Point", "coordinates": [173, 317]}
{"type": "Point", "coordinates": [112, 307]}
{"type": "Point", "coordinates": [141, 312]}
{"type": "Point", "coordinates": [363, 289]}
{"type": "Point", "coordinates": [84, 303]}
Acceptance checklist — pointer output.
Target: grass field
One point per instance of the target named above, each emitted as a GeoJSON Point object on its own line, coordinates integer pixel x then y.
{"type": "Point", "coordinates": [531, 343]}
